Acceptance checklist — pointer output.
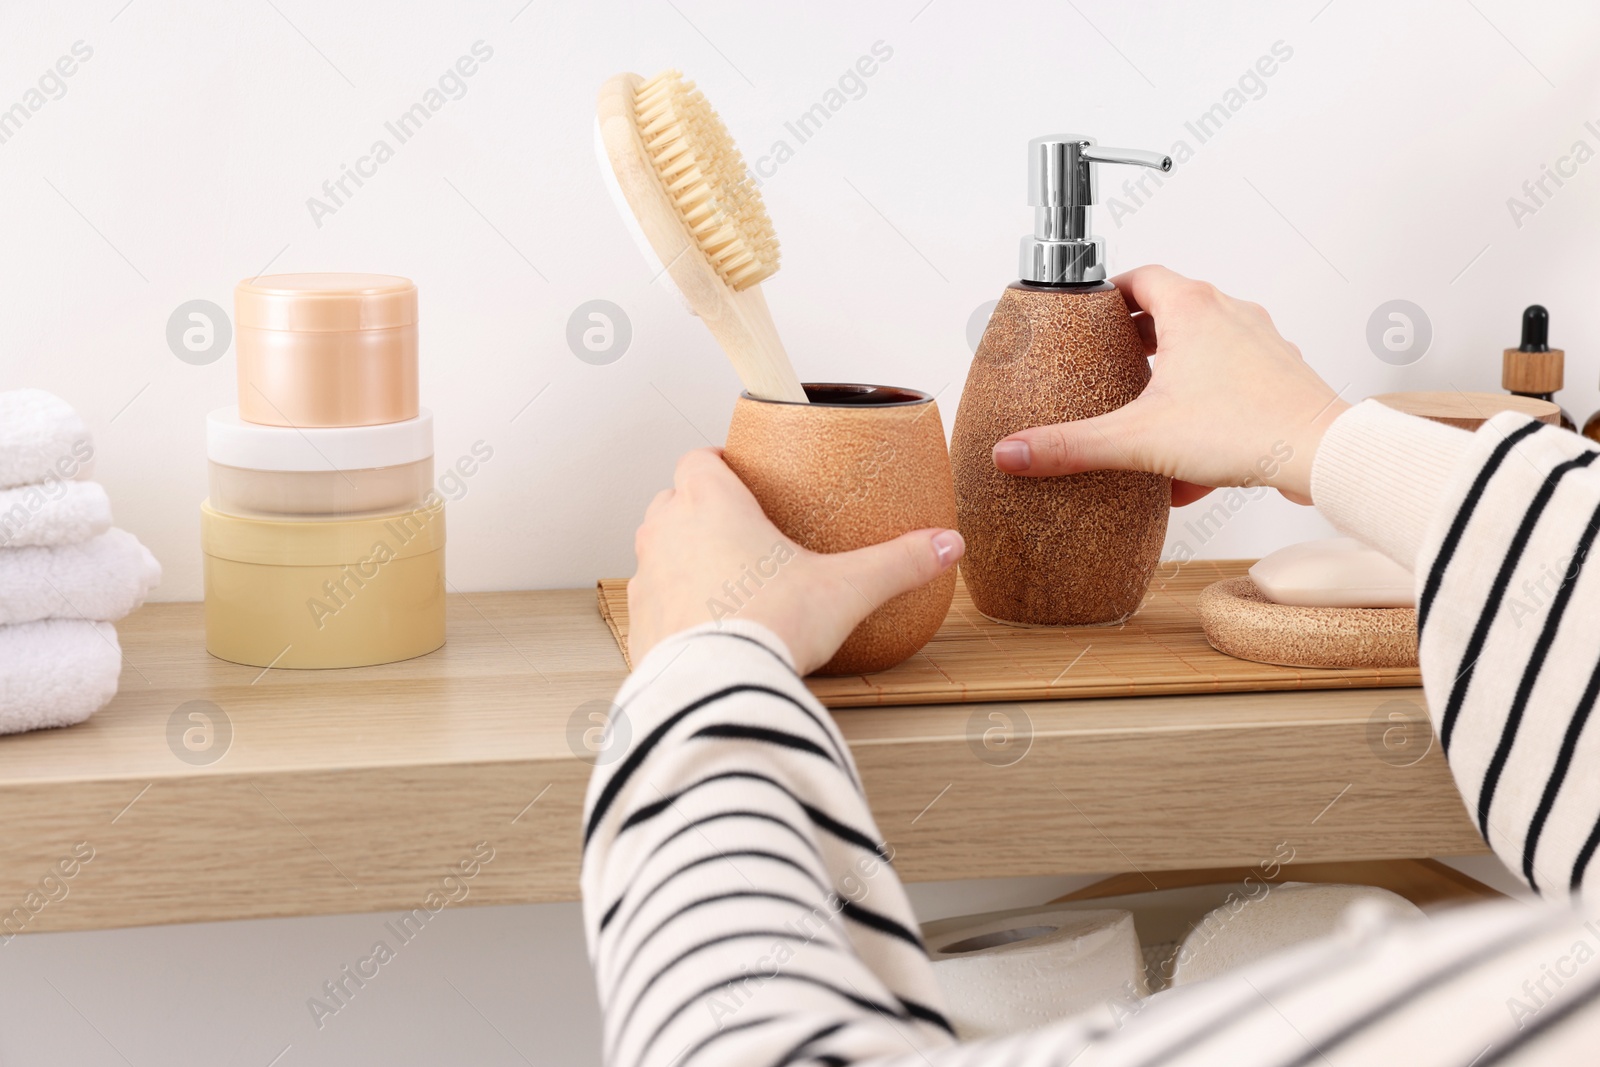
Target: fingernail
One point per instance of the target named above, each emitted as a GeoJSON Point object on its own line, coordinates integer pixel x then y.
{"type": "Point", "coordinates": [1013, 456]}
{"type": "Point", "coordinates": [948, 546]}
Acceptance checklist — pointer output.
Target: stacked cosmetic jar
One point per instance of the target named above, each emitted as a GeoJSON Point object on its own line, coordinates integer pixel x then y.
{"type": "Point", "coordinates": [323, 535]}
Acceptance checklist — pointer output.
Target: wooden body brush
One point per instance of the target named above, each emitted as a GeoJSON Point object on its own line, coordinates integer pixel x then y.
{"type": "Point", "coordinates": [682, 178]}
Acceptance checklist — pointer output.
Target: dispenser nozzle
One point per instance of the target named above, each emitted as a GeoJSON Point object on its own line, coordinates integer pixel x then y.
{"type": "Point", "coordinates": [1535, 329]}
{"type": "Point", "coordinates": [1061, 188]}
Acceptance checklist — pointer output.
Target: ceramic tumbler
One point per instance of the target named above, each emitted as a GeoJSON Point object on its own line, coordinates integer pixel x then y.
{"type": "Point", "coordinates": [858, 465]}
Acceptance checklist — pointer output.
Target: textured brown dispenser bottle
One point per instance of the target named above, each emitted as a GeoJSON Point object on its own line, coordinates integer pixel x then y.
{"type": "Point", "coordinates": [1075, 550]}
{"type": "Point", "coordinates": [1070, 551]}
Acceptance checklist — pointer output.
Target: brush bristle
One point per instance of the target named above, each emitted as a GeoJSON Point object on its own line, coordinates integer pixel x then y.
{"type": "Point", "coordinates": [704, 174]}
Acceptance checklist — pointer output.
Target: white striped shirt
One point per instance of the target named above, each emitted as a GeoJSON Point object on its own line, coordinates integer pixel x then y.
{"type": "Point", "coordinates": [741, 909]}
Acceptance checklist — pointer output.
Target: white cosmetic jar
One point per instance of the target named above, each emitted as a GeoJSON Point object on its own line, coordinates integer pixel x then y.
{"type": "Point", "coordinates": [322, 472]}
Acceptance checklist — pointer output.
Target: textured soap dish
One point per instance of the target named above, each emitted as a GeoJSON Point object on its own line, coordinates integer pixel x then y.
{"type": "Point", "coordinates": [1241, 622]}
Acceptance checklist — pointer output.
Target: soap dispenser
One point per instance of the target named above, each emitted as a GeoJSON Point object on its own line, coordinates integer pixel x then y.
{"type": "Point", "coordinates": [1534, 369]}
{"type": "Point", "coordinates": [1076, 550]}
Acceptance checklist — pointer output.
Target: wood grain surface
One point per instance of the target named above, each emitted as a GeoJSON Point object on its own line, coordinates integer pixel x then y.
{"type": "Point", "coordinates": [358, 790]}
{"type": "Point", "coordinates": [1468, 411]}
{"type": "Point", "coordinates": [1427, 883]}
{"type": "Point", "coordinates": [1161, 649]}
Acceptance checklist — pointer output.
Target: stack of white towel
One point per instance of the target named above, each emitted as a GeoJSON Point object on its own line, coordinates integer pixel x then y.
{"type": "Point", "coordinates": [65, 573]}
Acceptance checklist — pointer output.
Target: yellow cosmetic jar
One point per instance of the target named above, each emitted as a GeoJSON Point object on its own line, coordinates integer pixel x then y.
{"type": "Point", "coordinates": [342, 593]}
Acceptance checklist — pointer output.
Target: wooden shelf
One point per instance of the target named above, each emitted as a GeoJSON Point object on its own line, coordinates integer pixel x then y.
{"type": "Point", "coordinates": [357, 790]}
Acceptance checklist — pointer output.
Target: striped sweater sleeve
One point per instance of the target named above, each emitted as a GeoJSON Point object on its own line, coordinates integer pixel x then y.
{"type": "Point", "coordinates": [1498, 527]}
{"type": "Point", "coordinates": [739, 899]}
{"type": "Point", "coordinates": [741, 911]}
{"type": "Point", "coordinates": [741, 907]}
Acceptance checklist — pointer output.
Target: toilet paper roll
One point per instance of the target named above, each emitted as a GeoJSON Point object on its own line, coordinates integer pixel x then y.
{"type": "Point", "coordinates": [1010, 971]}
{"type": "Point", "coordinates": [1289, 914]}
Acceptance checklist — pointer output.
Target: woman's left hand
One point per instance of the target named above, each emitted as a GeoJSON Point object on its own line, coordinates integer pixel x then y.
{"type": "Point", "coordinates": [707, 552]}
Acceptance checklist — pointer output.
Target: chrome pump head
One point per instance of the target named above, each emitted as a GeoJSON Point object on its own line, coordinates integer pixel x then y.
{"type": "Point", "coordinates": [1061, 188]}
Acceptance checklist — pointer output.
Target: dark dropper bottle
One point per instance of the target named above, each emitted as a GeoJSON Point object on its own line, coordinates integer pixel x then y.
{"type": "Point", "coordinates": [1534, 369]}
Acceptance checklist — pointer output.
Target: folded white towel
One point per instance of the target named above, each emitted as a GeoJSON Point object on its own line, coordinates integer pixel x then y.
{"type": "Point", "coordinates": [56, 512]}
{"type": "Point", "coordinates": [40, 436]}
{"type": "Point", "coordinates": [101, 579]}
{"type": "Point", "coordinates": [56, 672]}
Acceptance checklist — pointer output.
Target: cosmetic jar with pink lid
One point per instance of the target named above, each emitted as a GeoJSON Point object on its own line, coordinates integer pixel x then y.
{"type": "Point", "coordinates": [320, 350]}
{"type": "Point", "coordinates": [323, 473]}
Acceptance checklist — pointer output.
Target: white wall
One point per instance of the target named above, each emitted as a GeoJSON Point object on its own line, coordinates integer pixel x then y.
{"type": "Point", "coordinates": [1375, 165]}
{"type": "Point", "coordinates": [490, 986]}
{"type": "Point", "coordinates": [483, 986]}
{"type": "Point", "coordinates": [486, 986]}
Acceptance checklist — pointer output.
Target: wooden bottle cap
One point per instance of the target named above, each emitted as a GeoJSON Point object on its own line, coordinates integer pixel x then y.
{"type": "Point", "coordinates": [1532, 372]}
{"type": "Point", "coordinates": [1470, 410]}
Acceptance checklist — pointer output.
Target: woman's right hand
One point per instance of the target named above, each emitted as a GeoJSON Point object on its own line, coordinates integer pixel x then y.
{"type": "Point", "coordinates": [1230, 401]}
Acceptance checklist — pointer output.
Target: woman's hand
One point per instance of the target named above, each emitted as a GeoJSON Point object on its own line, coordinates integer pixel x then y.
{"type": "Point", "coordinates": [1230, 403]}
{"type": "Point", "coordinates": [707, 552]}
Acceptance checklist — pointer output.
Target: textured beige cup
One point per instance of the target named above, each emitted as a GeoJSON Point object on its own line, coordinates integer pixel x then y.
{"type": "Point", "coordinates": [859, 465]}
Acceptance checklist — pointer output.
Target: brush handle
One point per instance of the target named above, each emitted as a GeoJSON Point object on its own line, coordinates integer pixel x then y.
{"type": "Point", "coordinates": [739, 320]}
{"type": "Point", "coordinates": [746, 332]}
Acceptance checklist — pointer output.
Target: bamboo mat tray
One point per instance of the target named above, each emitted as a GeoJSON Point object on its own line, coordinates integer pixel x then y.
{"type": "Point", "coordinates": [1160, 650]}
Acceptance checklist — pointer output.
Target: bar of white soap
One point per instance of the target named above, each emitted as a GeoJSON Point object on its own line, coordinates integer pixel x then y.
{"type": "Point", "coordinates": [1339, 572]}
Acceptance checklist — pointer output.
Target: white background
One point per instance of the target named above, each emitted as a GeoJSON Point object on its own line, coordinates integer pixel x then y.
{"type": "Point", "coordinates": [1376, 164]}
